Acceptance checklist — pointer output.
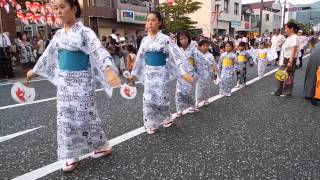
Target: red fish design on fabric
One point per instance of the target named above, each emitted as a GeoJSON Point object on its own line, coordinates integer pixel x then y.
{"type": "Point", "coordinates": [21, 94]}
{"type": "Point", "coordinates": [127, 91]}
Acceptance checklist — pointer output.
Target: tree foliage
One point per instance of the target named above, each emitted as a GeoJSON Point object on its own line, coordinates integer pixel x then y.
{"type": "Point", "coordinates": [175, 16]}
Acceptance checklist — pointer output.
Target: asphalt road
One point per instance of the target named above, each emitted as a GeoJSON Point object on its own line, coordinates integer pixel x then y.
{"type": "Point", "coordinates": [250, 135]}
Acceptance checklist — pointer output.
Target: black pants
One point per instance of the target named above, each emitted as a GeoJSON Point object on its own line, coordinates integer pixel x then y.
{"type": "Point", "coordinates": [278, 52]}
{"type": "Point", "coordinates": [301, 58]}
{"type": "Point", "coordinates": [6, 70]}
{"type": "Point", "coordinates": [284, 88]}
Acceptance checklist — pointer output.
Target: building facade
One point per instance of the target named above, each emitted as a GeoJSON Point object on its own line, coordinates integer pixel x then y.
{"type": "Point", "coordinates": [229, 19]}
{"type": "Point", "coordinates": [102, 16]}
{"type": "Point", "coordinates": [246, 19]}
{"type": "Point", "coordinates": [126, 16]}
{"type": "Point", "coordinates": [271, 16]}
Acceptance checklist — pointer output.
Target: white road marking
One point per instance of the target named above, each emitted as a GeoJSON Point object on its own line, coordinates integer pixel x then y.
{"type": "Point", "coordinates": [11, 136]}
{"type": "Point", "coordinates": [21, 80]}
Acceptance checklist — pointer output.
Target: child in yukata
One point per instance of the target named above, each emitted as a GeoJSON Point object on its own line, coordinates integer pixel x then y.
{"type": "Point", "coordinates": [243, 57]}
{"type": "Point", "coordinates": [227, 67]}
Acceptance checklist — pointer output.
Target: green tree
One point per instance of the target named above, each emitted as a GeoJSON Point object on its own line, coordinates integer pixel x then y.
{"type": "Point", "coordinates": [305, 27]}
{"type": "Point", "coordinates": [175, 16]}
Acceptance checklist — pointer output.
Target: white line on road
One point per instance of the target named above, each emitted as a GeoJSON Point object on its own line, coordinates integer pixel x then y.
{"type": "Point", "coordinates": [11, 136]}
{"type": "Point", "coordinates": [43, 171]}
{"type": "Point", "coordinates": [21, 80]}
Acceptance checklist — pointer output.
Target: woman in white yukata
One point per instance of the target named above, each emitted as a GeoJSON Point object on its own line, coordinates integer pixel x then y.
{"type": "Point", "coordinates": [158, 61]}
{"type": "Point", "coordinates": [184, 90]}
{"type": "Point", "coordinates": [73, 61]}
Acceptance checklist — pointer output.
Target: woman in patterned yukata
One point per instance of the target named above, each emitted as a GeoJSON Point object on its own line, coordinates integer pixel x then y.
{"type": "Point", "coordinates": [227, 67]}
{"type": "Point", "coordinates": [209, 66]}
{"type": "Point", "coordinates": [243, 57]}
{"type": "Point", "coordinates": [184, 90]}
{"type": "Point", "coordinates": [158, 61]}
{"type": "Point", "coordinates": [73, 61]}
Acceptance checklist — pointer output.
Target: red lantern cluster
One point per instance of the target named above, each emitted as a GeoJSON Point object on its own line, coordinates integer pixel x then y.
{"type": "Point", "coordinates": [35, 12]}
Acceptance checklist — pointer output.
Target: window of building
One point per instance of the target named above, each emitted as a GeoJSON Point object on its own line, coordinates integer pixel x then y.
{"type": "Point", "coordinates": [100, 3]}
{"type": "Point", "coordinates": [226, 6]}
{"type": "Point", "coordinates": [246, 17]}
{"type": "Point", "coordinates": [267, 17]}
{"type": "Point", "coordinates": [236, 8]}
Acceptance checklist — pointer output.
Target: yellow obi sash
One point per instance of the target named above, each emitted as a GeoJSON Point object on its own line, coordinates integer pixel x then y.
{"type": "Point", "coordinates": [191, 61]}
{"type": "Point", "coordinates": [227, 62]}
{"type": "Point", "coordinates": [242, 58]}
{"type": "Point", "coordinates": [262, 55]}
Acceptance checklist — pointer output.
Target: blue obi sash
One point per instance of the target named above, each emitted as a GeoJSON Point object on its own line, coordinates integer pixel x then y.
{"type": "Point", "coordinates": [156, 58]}
{"type": "Point", "coordinates": [73, 60]}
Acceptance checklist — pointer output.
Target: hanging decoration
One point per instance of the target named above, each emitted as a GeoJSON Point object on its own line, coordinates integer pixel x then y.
{"type": "Point", "coordinates": [35, 12]}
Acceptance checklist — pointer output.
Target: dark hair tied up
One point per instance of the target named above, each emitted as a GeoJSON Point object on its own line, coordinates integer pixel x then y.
{"type": "Point", "coordinates": [75, 3]}
{"type": "Point", "coordinates": [158, 16]}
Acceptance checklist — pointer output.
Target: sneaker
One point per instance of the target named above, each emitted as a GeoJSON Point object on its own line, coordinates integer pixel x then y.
{"type": "Point", "coordinates": [238, 85]}
{"type": "Point", "coordinates": [102, 153]}
{"type": "Point", "coordinates": [167, 123]}
{"type": "Point", "coordinates": [70, 165]}
{"type": "Point", "coordinates": [151, 131]}
{"type": "Point", "coordinates": [178, 114]}
{"type": "Point", "coordinates": [228, 94]}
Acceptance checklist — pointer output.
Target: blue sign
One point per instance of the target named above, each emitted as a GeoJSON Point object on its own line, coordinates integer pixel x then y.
{"type": "Point", "coordinates": [235, 24]}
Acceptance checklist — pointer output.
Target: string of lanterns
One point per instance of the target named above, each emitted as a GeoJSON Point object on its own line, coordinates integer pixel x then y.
{"type": "Point", "coordinates": [35, 12]}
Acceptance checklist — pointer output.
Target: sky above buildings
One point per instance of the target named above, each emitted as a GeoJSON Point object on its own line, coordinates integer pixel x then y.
{"type": "Point", "coordinates": [291, 1]}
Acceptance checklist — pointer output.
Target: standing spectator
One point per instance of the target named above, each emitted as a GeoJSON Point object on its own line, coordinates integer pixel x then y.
{"type": "Point", "coordinates": [47, 42]}
{"type": "Point", "coordinates": [303, 42]}
{"type": "Point", "coordinates": [104, 41]}
{"type": "Point", "coordinates": [40, 46]}
{"type": "Point", "coordinates": [258, 40]}
{"type": "Point", "coordinates": [6, 70]}
{"type": "Point", "coordinates": [138, 39]}
{"type": "Point", "coordinates": [109, 39]}
{"type": "Point", "coordinates": [25, 52]}
{"type": "Point", "coordinates": [276, 42]}
{"type": "Point", "coordinates": [288, 56]}
{"type": "Point", "coordinates": [131, 57]}
{"type": "Point", "coordinates": [114, 35]}
{"type": "Point", "coordinates": [34, 42]}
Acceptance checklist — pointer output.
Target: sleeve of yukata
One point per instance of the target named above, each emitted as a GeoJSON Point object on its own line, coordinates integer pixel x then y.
{"type": "Point", "coordinates": [100, 59]}
{"type": "Point", "coordinates": [177, 60]}
{"type": "Point", "coordinates": [139, 65]}
{"type": "Point", "coordinates": [98, 53]}
{"type": "Point", "coordinates": [236, 63]}
{"type": "Point", "coordinates": [249, 57]}
{"type": "Point", "coordinates": [47, 65]}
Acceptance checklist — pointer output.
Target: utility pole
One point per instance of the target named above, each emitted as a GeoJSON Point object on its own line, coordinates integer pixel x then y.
{"type": "Point", "coordinates": [261, 13]}
{"type": "Point", "coordinates": [217, 14]}
{"type": "Point", "coordinates": [284, 15]}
